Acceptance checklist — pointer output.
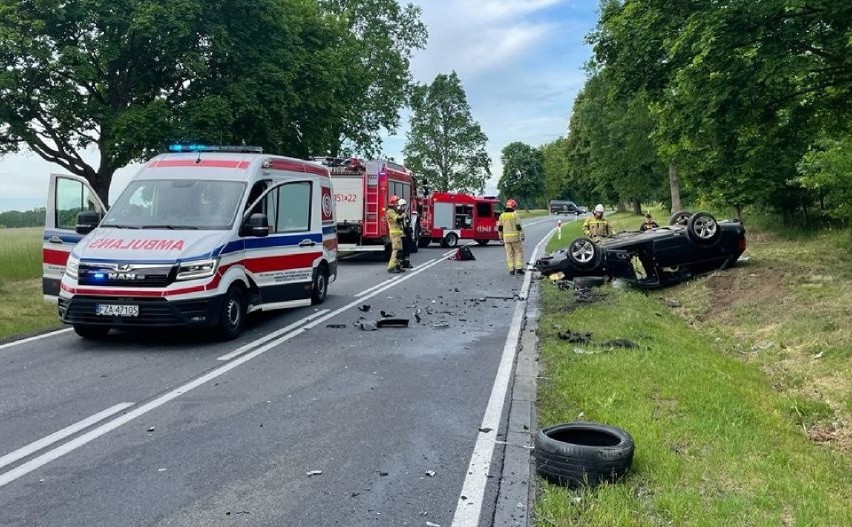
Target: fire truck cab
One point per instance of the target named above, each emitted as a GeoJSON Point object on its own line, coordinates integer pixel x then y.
{"type": "Point", "coordinates": [362, 190]}
{"type": "Point", "coordinates": [448, 216]}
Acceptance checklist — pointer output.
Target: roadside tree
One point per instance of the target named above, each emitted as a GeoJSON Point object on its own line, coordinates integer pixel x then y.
{"type": "Point", "coordinates": [523, 173]}
{"type": "Point", "coordinates": [445, 144]}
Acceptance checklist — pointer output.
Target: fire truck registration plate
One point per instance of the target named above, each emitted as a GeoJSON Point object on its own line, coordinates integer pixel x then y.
{"type": "Point", "coordinates": [112, 310]}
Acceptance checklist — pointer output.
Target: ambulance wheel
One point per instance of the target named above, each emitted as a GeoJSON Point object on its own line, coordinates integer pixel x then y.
{"type": "Point", "coordinates": [482, 242]}
{"type": "Point", "coordinates": [233, 315]}
{"type": "Point", "coordinates": [91, 332]}
{"type": "Point", "coordinates": [320, 288]}
{"type": "Point", "coordinates": [450, 240]}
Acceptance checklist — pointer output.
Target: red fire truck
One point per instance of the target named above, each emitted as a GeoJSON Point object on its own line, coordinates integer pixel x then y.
{"type": "Point", "coordinates": [447, 217]}
{"type": "Point", "coordinates": [361, 193]}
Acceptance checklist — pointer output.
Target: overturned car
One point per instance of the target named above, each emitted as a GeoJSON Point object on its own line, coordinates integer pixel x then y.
{"type": "Point", "coordinates": [689, 245]}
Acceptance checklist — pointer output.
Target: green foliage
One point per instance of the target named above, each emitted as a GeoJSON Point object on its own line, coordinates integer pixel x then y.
{"type": "Point", "coordinates": [827, 172]}
{"type": "Point", "coordinates": [445, 145]}
{"type": "Point", "coordinates": [523, 174]}
{"type": "Point", "coordinates": [737, 92]}
{"type": "Point", "coordinates": [293, 76]}
{"type": "Point", "coordinates": [29, 218]}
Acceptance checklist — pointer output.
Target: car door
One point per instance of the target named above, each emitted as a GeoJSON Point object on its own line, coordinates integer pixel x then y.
{"type": "Point", "coordinates": [67, 196]}
{"type": "Point", "coordinates": [282, 263]}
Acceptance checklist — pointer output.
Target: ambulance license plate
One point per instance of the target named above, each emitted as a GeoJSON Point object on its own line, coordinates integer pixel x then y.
{"type": "Point", "coordinates": [114, 310]}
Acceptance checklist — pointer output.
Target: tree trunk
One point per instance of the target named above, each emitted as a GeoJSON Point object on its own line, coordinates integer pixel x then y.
{"type": "Point", "coordinates": [620, 207]}
{"type": "Point", "coordinates": [738, 212]}
{"type": "Point", "coordinates": [637, 206]}
{"type": "Point", "coordinates": [101, 181]}
{"type": "Point", "coordinates": [674, 184]}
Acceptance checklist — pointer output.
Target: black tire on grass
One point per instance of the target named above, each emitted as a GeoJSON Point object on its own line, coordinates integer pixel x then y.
{"type": "Point", "coordinates": [583, 454]}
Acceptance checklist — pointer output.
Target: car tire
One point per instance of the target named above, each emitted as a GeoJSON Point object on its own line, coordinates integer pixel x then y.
{"type": "Point", "coordinates": [483, 243]}
{"type": "Point", "coordinates": [450, 240]}
{"type": "Point", "coordinates": [584, 253]}
{"type": "Point", "coordinates": [583, 454]}
{"type": "Point", "coordinates": [703, 229]}
{"type": "Point", "coordinates": [91, 332]}
{"type": "Point", "coordinates": [319, 288]}
{"type": "Point", "coordinates": [232, 317]}
{"type": "Point", "coordinates": [680, 217]}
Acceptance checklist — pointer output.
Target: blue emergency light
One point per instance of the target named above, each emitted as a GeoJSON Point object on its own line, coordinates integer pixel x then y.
{"type": "Point", "coordinates": [202, 146]}
{"type": "Point", "coordinates": [99, 276]}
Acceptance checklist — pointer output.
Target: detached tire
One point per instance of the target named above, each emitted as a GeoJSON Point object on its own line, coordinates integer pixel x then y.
{"type": "Point", "coordinates": [583, 454]}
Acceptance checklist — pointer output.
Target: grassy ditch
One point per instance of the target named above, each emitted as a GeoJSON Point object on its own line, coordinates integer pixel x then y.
{"type": "Point", "coordinates": [22, 308]}
{"type": "Point", "coordinates": [739, 400]}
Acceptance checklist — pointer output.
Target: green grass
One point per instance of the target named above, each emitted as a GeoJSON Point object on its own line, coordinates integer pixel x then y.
{"type": "Point", "coordinates": [22, 308]}
{"type": "Point", "coordinates": [716, 444]}
{"type": "Point", "coordinates": [740, 401]}
{"type": "Point", "coordinates": [533, 213]}
{"type": "Point", "coordinates": [20, 253]}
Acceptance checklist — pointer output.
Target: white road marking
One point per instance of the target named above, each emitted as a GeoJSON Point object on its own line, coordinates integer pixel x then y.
{"type": "Point", "coordinates": [93, 434]}
{"type": "Point", "coordinates": [35, 446]}
{"type": "Point", "coordinates": [274, 334]}
{"type": "Point", "coordinates": [37, 337]}
{"type": "Point", "coordinates": [469, 506]}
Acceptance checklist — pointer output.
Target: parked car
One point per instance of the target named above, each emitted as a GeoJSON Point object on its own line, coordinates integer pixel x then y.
{"type": "Point", "coordinates": [689, 245]}
{"type": "Point", "coordinates": [562, 207]}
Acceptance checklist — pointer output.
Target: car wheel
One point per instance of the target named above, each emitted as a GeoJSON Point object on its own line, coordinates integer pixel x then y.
{"type": "Point", "coordinates": [233, 315]}
{"type": "Point", "coordinates": [584, 253]}
{"type": "Point", "coordinates": [680, 217]}
{"type": "Point", "coordinates": [319, 290]}
{"type": "Point", "coordinates": [703, 228]}
{"type": "Point", "coordinates": [450, 240]}
{"type": "Point", "coordinates": [482, 242]}
{"type": "Point", "coordinates": [91, 332]}
{"type": "Point", "coordinates": [583, 454]}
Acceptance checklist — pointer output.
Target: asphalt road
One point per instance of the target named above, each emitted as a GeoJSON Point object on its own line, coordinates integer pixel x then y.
{"type": "Point", "coordinates": [171, 429]}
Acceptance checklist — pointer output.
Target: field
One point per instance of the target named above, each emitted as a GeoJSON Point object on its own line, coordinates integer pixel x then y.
{"type": "Point", "coordinates": [22, 308]}
{"type": "Point", "coordinates": [739, 400]}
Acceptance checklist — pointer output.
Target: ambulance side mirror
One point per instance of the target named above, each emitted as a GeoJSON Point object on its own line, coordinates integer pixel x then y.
{"type": "Point", "coordinates": [256, 225]}
{"type": "Point", "coordinates": [87, 221]}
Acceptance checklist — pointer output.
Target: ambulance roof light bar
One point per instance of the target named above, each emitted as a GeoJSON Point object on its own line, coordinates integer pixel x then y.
{"type": "Point", "coordinates": [201, 146]}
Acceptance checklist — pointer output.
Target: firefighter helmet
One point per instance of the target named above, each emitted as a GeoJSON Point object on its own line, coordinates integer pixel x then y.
{"type": "Point", "coordinates": [401, 202]}
{"type": "Point", "coordinates": [512, 204]}
{"type": "Point", "coordinates": [393, 200]}
{"type": "Point", "coordinates": [599, 208]}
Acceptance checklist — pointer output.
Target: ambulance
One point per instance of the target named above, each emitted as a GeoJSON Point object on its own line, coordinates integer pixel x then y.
{"type": "Point", "coordinates": [201, 236]}
{"type": "Point", "coordinates": [447, 217]}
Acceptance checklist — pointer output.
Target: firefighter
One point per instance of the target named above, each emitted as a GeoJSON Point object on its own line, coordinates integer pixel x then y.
{"type": "Point", "coordinates": [595, 225]}
{"type": "Point", "coordinates": [406, 233]}
{"type": "Point", "coordinates": [511, 234]}
{"type": "Point", "coordinates": [394, 219]}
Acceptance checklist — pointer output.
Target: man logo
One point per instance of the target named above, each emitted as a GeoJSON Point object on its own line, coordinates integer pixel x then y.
{"type": "Point", "coordinates": [327, 211]}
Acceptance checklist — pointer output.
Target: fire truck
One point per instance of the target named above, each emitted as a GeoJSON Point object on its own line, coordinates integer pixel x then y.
{"type": "Point", "coordinates": [361, 193]}
{"type": "Point", "coordinates": [447, 217]}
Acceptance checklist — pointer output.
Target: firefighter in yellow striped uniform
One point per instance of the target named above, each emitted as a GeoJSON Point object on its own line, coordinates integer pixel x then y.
{"type": "Point", "coordinates": [595, 226]}
{"type": "Point", "coordinates": [512, 235]}
{"type": "Point", "coordinates": [395, 220]}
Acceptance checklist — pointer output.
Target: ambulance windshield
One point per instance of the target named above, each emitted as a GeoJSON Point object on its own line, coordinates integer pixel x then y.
{"type": "Point", "coordinates": [176, 204]}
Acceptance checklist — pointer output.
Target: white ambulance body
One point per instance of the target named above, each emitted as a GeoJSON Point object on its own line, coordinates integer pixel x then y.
{"type": "Point", "coordinates": [198, 238]}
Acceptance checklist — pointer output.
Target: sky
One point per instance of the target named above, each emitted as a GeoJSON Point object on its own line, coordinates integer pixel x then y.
{"type": "Point", "coordinates": [519, 61]}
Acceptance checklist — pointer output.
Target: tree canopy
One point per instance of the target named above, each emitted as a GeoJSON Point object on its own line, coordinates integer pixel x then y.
{"type": "Point", "coordinates": [445, 144]}
{"type": "Point", "coordinates": [296, 77]}
{"type": "Point", "coordinates": [523, 174]}
{"type": "Point", "coordinates": [743, 99]}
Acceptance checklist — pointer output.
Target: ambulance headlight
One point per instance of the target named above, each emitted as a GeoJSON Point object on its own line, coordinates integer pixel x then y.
{"type": "Point", "coordinates": [72, 266]}
{"type": "Point", "coordinates": [197, 269]}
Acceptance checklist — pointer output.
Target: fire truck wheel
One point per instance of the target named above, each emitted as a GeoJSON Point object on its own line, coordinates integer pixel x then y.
{"type": "Point", "coordinates": [320, 287]}
{"type": "Point", "coordinates": [233, 315]}
{"type": "Point", "coordinates": [91, 332]}
{"type": "Point", "coordinates": [450, 240]}
{"type": "Point", "coordinates": [482, 242]}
